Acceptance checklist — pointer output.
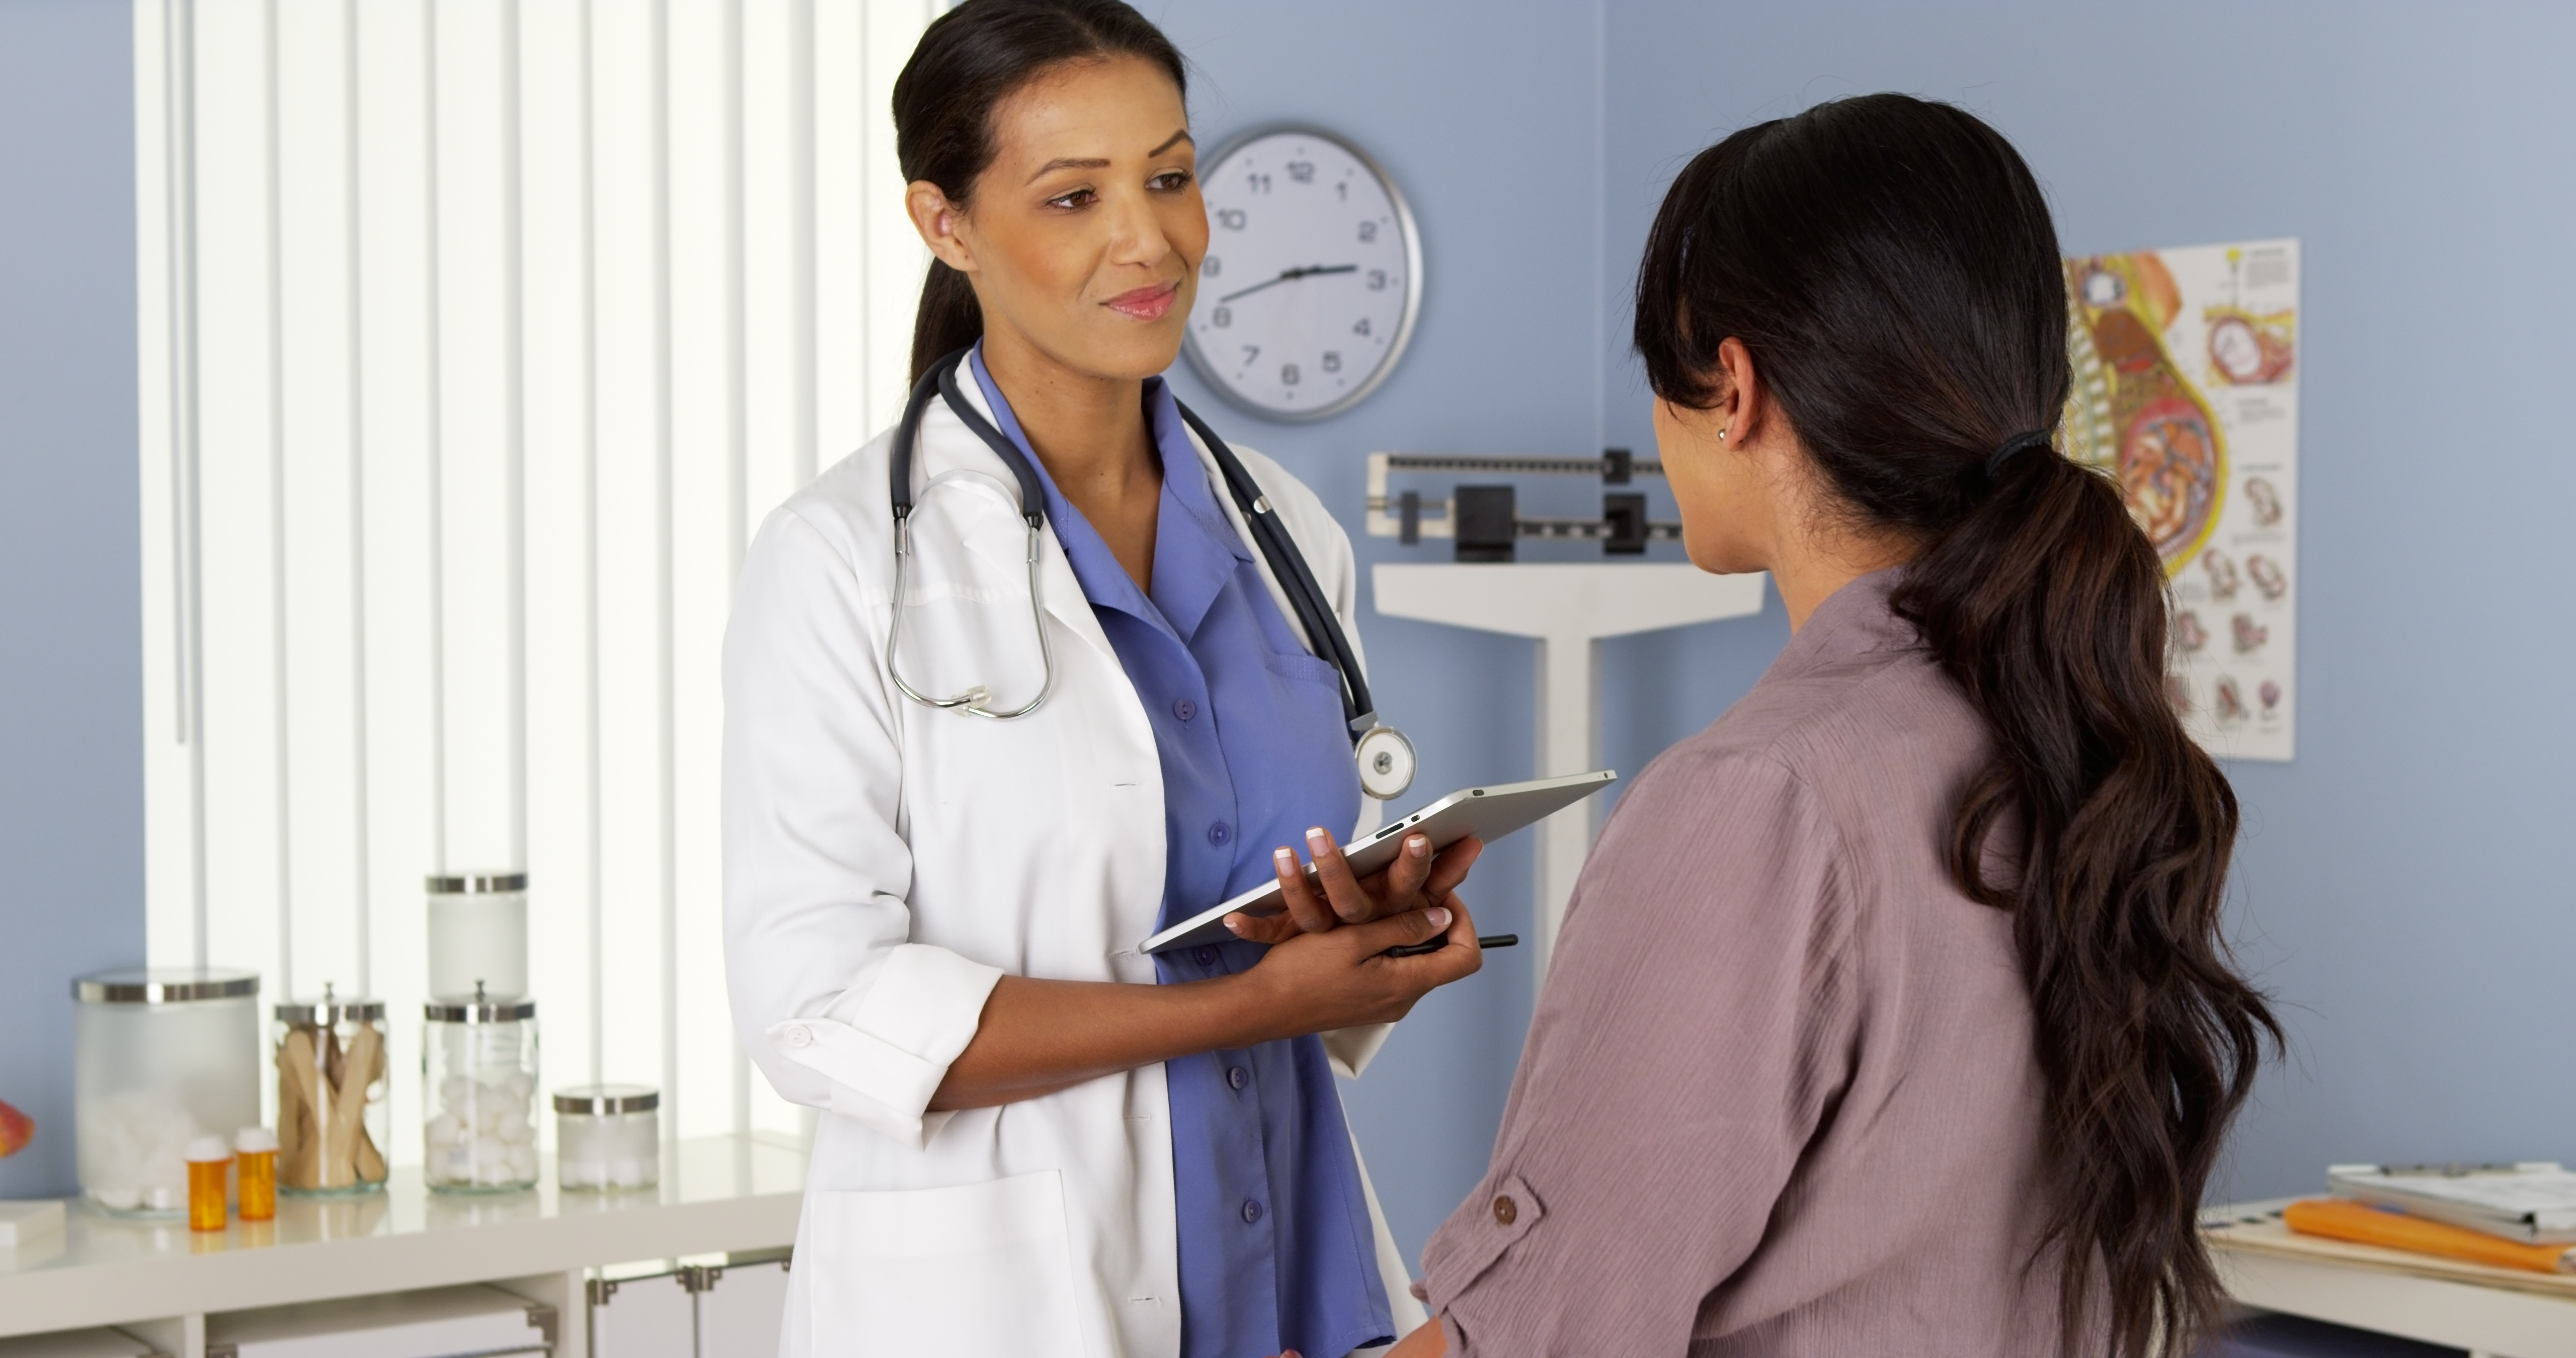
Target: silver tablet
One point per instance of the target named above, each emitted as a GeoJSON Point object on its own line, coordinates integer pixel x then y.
{"type": "Point", "coordinates": [1489, 813]}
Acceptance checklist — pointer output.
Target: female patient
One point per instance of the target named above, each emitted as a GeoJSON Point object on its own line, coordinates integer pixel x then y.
{"type": "Point", "coordinates": [1891, 1015]}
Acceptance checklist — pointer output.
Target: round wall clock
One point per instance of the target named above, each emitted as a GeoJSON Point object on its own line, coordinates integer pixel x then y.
{"type": "Point", "coordinates": [1313, 274]}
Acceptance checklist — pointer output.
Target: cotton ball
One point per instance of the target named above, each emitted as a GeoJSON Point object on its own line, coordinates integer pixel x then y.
{"type": "Point", "coordinates": [456, 1093]}
{"type": "Point", "coordinates": [626, 1173]}
{"type": "Point", "coordinates": [487, 1118]}
{"type": "Point", "coordinates": [443, 1129]}
{"type": "Point", "coordinates": [572, 1174]}
{"type": "Point", "coordinates": [523, 1162]}
{"type": "Point", "coordinates": [511, 1125]}
{"type": "Point", "coordinates": [521, 1086]}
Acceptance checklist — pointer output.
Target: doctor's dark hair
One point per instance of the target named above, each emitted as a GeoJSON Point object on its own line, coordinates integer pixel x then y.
{"type": "Point", "coordinates": [1891, 268]}
{"type": "Point", "coordinates": [969, 60]}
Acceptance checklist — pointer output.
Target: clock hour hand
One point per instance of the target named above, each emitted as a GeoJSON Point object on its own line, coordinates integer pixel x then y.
{"type": "Point", "coordinates": [1290, 276]}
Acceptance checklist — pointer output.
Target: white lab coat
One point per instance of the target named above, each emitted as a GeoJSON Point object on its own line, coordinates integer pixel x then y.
{"type": "Point", "coordinates": [885, 863]}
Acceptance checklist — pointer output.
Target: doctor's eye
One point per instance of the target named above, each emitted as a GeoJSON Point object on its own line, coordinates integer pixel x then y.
{"type": "Point", "coordinates": [1171, 181]}
{"type": "Point", "coordinates": [1079, 198]}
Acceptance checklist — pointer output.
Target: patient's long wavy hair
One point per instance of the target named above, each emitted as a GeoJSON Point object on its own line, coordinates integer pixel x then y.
{"type": "Point", "coordinates": [1891, 267]}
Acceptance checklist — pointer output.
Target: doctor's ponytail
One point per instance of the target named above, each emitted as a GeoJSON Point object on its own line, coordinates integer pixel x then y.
{"type": "Point", "coordinates": [969, 60]}
{"type": "Point", "coordinates": [1890, 266]}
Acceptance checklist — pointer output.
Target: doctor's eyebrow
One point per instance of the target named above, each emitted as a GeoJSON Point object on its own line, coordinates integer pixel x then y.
{"type": "Point", "coordinates": [1098, 163]}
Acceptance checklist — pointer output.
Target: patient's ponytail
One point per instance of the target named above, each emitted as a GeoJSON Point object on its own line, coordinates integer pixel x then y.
{"type": "Point", "coordinates": [1891, 268]}
{"type": "Point", "coordinates": [970, 59]}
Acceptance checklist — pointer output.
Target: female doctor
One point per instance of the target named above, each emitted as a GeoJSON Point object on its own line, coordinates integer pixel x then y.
{"type": "Point", "coordinates": [962, 789]}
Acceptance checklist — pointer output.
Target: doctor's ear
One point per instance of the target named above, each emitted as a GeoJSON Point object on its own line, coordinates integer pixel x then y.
{"type": "Point", "coordinates": [937, 220]}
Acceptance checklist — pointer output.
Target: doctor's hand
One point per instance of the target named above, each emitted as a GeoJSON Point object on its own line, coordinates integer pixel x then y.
{"type": "Point", "coordinates": [1316, 983]}
{"type": "Point", "coordinates": [1416, 880]}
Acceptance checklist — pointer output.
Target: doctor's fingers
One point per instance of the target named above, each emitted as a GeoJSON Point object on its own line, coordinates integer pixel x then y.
{"type": "Point", "coordinates": [1341, 885]}
{"type": "Point", "coordinates": [1305, 906]}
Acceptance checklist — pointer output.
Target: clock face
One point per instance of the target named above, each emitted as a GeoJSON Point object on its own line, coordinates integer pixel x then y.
{"type": "Point", "coordinates": [1312, 278]}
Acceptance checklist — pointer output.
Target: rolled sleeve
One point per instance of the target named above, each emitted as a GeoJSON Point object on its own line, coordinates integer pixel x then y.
{"type": "Point", "coordinates": [885, 1049]}
{"type": "Point", "coordinates": [1689, 1039]}
{"type": "Point", "coordinates": [835, 1002]}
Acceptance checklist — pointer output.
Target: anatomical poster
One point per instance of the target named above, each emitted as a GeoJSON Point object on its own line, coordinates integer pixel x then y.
{"type": "Point", "coordinates": [2187, 391]}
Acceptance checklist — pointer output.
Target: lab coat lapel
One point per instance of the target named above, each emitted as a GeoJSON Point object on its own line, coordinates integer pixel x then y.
{"type": "Point", "coordinates": [1000, 537]}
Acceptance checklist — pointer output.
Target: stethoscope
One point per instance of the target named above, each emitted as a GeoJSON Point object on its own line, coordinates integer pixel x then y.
{"type": "Point", "coordinates": [1385, 757]}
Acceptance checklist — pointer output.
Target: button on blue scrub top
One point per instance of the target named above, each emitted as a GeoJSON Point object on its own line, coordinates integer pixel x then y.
{"type": "Point", "coordinates": [1276, 1250]}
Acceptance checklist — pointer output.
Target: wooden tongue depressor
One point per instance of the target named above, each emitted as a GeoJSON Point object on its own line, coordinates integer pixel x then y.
{"type": "Point", "coordinates": [357, 1071]}
{"type": "Point", "coordinates": [290, 1123]}
{"type": "Point", "coordinates": [301, 1078]}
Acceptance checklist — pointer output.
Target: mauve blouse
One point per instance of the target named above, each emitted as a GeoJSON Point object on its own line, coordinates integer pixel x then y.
{"type": "Point", "coordinates": [1779, 1095]}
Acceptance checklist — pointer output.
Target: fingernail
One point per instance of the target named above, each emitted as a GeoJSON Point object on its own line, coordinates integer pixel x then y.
{"type": "Point", "coordinates": [1284, 856]}
{"type": "Point", "coordinates": [1438, 915]}
{"type": "Point", "coordinates": [1418, 845]}
{"type": "Point", "coordinates": [1315, 835]}
{"type": "Point", "coordinates": [1234, 924]}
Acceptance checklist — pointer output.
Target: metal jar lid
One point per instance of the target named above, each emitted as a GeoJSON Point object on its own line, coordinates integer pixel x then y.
{"type": "Point", "coordinates": [330, 1009]}
{"type": "Point", "coordinates": [480, 1008]}
{"type": "Point", "coordinates": [165, 985]}
{"type": "Point", "coordinates": [598, 1100]}
{"type": "Point", "coordinates": [485, 884]}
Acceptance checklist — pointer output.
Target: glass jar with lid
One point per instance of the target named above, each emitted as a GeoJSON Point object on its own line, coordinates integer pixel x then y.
{"type": "Point", "coordinates": [608, 1137]}
{"type": "Point", "coordinates": [333, 1087]}
{"type": "Point", "coordinates": [160, 1057]}
{"type": "Point", "coordinates": [479, 1093]}
{"type": "Point", "coordinates": [478, 933]}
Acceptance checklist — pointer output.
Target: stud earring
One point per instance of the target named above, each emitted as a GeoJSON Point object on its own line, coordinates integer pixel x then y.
{"type": "Point", "coordinates": [1721, 435]}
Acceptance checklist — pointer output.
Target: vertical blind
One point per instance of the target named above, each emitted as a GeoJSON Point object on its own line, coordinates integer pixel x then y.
{"type": "Point", "coordinates": [476, 337]}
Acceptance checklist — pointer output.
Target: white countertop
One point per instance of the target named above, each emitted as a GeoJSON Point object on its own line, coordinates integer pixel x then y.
{"type": "Point", "coordinates": [718, 1194]}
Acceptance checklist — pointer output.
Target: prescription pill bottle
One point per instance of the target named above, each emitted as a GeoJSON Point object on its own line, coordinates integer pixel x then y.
{"type": "Point", "coordinates": [608, 1137]}
{"type": "Point", "coordinates": [479, 1089]}
{"type": "Point", "coordinates": [210, 1163]}
{"type": "Point", "coordinates": [255, 1170]}
{"type": "Point", "coordinates": [333, 1079]}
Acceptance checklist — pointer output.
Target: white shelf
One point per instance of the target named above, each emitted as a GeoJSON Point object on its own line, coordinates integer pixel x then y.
{"type": "Point", "coordinates": [718, 1195]}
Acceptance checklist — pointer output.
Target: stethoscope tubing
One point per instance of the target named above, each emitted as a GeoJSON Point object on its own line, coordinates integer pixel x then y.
{"type": "Point", "coordinates": [1269, 535]}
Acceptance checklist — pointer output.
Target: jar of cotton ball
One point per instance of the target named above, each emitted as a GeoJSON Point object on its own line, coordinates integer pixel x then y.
{"type": "Point", "coordinates": [608, 1137]}
{"type": "Point", "coordinates": [479, 1086]}
{"type": "Point", "coordinates": [161, 1059]}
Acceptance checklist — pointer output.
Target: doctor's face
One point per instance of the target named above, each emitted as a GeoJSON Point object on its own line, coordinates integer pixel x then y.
{"type": "Point", "coordinates": [1083, 237]}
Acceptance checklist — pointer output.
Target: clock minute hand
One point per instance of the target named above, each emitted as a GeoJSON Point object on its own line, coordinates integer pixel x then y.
{"type": "Point", "coordinates": [1290, 276]}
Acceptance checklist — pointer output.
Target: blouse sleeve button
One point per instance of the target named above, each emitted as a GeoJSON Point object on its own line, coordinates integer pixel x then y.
{"type": "Point", "coordinates": [1505, 1211]}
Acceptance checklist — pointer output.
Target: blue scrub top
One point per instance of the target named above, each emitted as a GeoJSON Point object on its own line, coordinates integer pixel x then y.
{"type": "Point", "coordinates": [1276, 1249]}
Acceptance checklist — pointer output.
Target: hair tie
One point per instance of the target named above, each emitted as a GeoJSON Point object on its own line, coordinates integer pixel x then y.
{"type": "Point", "coordinates": [2035, 438]}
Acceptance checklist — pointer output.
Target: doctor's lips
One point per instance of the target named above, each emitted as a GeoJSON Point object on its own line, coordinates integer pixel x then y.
{"type": "Point", "coordinates": [1145, 304]}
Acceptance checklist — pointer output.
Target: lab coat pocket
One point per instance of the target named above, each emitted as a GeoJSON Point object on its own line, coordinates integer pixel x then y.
{"type": "Point", "coordinates": [979, 1269]}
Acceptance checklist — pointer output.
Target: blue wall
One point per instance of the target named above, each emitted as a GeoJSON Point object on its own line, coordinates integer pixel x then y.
{"type": "Point", "coordinates": [71, 658]}
{"type": "Point", "coordinates": [2398, 890]}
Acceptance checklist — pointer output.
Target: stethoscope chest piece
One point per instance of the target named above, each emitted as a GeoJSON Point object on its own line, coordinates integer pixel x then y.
{"type": "Point", "coordinates": [1386, 763]}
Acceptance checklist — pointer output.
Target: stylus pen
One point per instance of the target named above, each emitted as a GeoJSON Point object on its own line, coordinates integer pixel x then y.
{"type": "Point", "coordinates": [1435, 945]}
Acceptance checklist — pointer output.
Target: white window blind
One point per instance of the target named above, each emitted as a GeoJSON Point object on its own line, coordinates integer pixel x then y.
{"type": "Point", "coordinates": [476, 337]}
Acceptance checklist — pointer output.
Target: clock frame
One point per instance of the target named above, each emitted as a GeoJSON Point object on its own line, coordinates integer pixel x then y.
{"type": "Point", "coordinates": [1222, 380]}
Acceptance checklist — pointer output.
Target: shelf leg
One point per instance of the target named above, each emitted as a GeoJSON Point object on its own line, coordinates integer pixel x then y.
{"type": "Point", "coordinates": [1569, 742]}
